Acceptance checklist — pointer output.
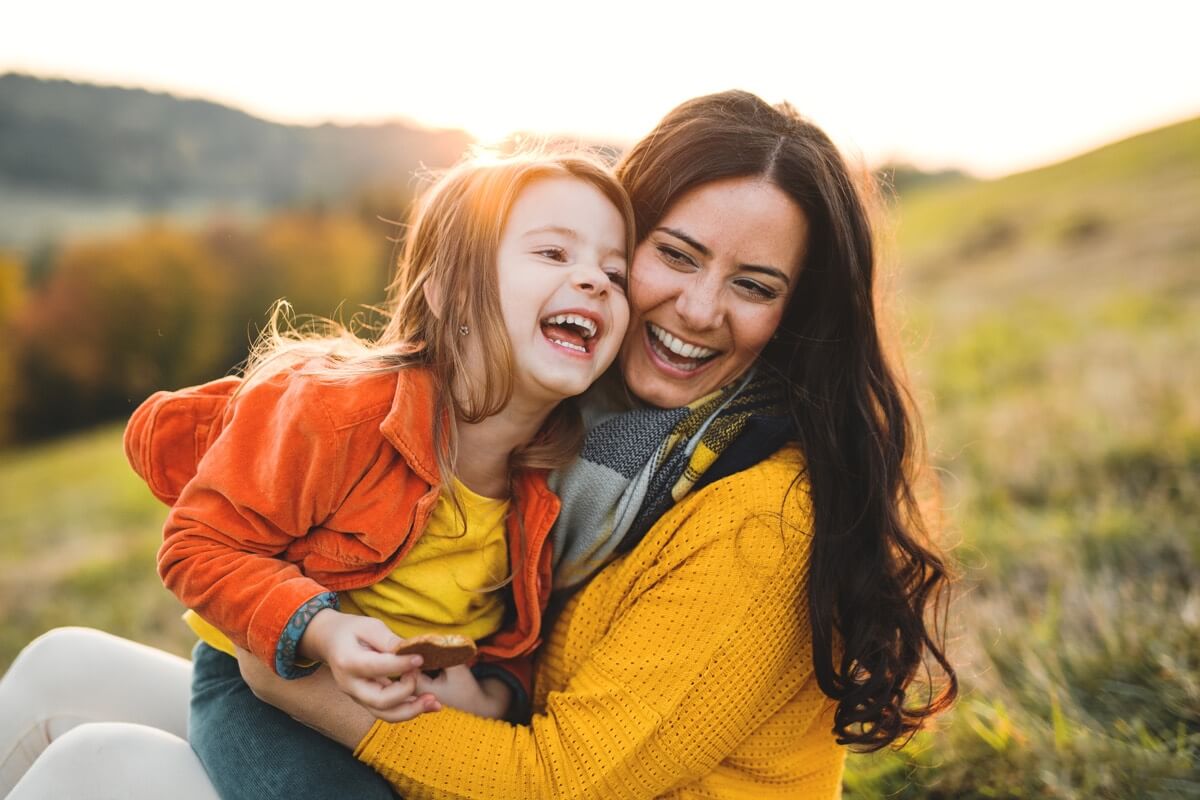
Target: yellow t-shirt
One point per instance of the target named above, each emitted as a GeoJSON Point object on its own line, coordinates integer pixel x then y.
{"type": "Point", "coordinates": [446, 584]}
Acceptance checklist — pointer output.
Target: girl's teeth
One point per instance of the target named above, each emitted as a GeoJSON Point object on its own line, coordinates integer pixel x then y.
{"type": "Point", "coordinates": [570, 345]}
{"type": "Point", "coordinates": [588, 327]}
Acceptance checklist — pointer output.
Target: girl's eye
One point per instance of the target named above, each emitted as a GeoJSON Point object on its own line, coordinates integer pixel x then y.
{"type": "Point", "coordinates": [675, 257]}
{"type": "Point", "coordinates": [758, 290]}
{"type": "Point", "coordinates": [552, 253]}
{"type": "Point", "coordinates": [616, 278]}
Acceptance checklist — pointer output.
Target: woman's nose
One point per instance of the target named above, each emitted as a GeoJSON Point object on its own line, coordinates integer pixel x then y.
{"type": "Point", "coordinates": [699, 303]}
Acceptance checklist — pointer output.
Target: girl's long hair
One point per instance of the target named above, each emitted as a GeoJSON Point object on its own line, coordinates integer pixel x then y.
{"type": "Point", "coordinates": [446, 282]}
{"type": "Point", "coordinates": [874, 574]}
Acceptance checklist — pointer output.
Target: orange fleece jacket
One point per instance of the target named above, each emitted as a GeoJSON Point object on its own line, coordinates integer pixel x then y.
{"type": "Point", "coordinates": [297, 487]}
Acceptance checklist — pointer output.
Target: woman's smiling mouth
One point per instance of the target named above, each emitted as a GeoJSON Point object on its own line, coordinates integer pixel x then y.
{"type": "Point", "coordinates": [675, 352]}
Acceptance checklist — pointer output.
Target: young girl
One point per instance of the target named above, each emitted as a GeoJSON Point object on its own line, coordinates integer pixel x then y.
{"type": "Point", "coordinates": [347, 494]}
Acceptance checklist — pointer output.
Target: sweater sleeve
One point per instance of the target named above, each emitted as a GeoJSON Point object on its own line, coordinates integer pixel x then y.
{"type": "Point", "coordinates": [713, 639]}
{"type": "Point", "coordinates": [265, 482]}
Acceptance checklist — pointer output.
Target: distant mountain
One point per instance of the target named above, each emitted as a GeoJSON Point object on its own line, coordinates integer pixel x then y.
{"type": "Point", "coordinates": [102, 142]}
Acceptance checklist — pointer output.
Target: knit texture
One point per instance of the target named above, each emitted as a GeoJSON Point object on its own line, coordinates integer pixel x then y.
{"type": "Point", "coordinates": [683, 670]}
{"type": "Point", "coordinates": [637, 463]}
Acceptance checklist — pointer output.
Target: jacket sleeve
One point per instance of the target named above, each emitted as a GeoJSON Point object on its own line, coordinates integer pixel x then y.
{"type": "Point", "coordinates": [517, 674]}
{"type": "Point", "coordinates": [167, 434]}
{"type": "Point", "coordinates": [264, 482]}
{"type": "Point", "coordinates": [712, 641]}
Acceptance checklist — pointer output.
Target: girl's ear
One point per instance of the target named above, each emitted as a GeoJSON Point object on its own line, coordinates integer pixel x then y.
{"type": "Point", "coordinates": [433, 296]}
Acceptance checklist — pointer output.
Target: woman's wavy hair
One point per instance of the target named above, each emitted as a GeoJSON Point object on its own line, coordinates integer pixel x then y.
{"type": "Point", "coordinates": [874, 573]}
{"type": "Point", "coordinates": [445, 283]}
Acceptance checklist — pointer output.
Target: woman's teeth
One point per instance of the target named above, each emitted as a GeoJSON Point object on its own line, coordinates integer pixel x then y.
{"type": "Point", "coordinates": [679, 347]}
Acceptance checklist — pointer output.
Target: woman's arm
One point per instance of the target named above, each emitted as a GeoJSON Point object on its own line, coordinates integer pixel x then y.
{"type": "Point", "coordinates": [711, 641]}
{"type": "Point", "coordinates": [314, 699]}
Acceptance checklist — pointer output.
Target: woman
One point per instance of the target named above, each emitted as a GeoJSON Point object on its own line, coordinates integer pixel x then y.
{"type": "Point", "coordinates": [767, 601]}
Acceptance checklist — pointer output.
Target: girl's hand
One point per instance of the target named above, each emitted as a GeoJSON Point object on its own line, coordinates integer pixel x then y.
{"type": "Point", "coordinates": [456, 687]}
{"type": "Point", "coordinates": [359, 654]}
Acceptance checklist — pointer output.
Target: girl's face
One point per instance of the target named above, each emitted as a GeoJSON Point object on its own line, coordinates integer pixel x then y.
{"type": "Point", "coordinates": [709, 286]}
{"type": "Point", "coordinates": [562, 267]}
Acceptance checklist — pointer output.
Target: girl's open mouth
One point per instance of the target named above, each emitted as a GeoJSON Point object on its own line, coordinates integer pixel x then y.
{"type": "Point", "coordinates": [573, 332]}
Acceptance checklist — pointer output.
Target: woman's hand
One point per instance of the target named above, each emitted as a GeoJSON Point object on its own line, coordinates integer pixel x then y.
{"type": "Point", "coordinates": [317, 702]}
{"type": "Point", "coordinates": [456, 687]}
{"type": "Point", "coordinates": [359, 652]}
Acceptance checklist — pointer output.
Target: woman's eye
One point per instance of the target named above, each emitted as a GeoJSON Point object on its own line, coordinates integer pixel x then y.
{"type": "Point", "coordinates": [675, 257]}
{"type": "Point", "coordinates": [758, 290]}
{"type": "Point", "coordinates": [552, 253]}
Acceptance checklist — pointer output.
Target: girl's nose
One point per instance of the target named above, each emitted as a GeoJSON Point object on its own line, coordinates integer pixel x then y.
{"type": "Point", "coordinates": [590, 279]}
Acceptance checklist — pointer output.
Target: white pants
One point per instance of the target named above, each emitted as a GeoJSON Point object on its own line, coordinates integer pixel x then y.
{"type": "Point", "coordinates": [84, 714]}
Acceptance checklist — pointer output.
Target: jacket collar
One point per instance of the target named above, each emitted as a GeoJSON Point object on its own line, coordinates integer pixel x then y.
{"type": "Point", "coordinates": [409, 423]}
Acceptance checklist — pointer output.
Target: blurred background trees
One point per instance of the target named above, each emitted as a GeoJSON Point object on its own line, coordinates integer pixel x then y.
{"type": "Point", "coordinates": [145, 237]}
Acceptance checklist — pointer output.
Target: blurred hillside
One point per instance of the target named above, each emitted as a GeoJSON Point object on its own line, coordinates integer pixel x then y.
{"type": "Point", "coordinates": [78, 157]}
{"type": "Point", "coordinates": [1049, 322]}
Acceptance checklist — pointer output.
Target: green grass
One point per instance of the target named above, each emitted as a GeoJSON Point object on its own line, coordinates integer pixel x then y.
{"type": "Point", "coordinates": [78, 534]}
{"type": "Point", "coordinates": [1051, 323]}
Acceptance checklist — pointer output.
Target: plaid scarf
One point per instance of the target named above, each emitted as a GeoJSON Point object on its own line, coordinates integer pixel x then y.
{"type": "Point", "coordinates": [638, 463]}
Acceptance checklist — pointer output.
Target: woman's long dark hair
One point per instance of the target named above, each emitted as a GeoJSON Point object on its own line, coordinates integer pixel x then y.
{"type": "Point", "coordinates": [874, 574]}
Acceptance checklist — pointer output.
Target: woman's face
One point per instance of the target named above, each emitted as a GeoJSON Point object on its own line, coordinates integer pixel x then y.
{"type": "Point", "coordinates": [708, 288]}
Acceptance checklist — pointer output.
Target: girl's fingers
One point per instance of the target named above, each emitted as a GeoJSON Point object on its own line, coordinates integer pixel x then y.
{"type": "Point", "coordinates": [426, 683]}
{"type": "Point", "coordinates": [373, 665]}
{"type": "Point", "coordinates": [413, 707]}
{"type": "Point", "coordinates": [378, 636]}
{"type": "Point", "coordinates": [377, 697]}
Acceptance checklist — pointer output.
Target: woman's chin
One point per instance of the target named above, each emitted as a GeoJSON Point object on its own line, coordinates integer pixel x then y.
{"type": "Point", "coordinates": [657, 382]}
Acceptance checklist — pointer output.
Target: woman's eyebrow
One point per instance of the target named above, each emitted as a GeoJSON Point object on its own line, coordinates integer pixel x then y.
{"type": "Point", "coordinates": [683, 237]}
{"type": "Point", "coordinates": [704, 251]}
{"type": "Point", "coordinates": [774, 273]}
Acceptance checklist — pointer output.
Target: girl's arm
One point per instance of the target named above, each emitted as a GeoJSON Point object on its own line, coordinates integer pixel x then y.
{"type": "Point", "coordinates": [277, 469]}
{"type": "Point", "coordinates": [713, 641]}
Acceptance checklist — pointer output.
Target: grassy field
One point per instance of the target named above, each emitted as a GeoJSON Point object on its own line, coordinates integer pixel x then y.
{"type": "Point", "coordinates": [1052, 321]}
{"type": "Point", "coordinates": [1052, 325]}
{"type": "Point", "coordinates": [80, 530]}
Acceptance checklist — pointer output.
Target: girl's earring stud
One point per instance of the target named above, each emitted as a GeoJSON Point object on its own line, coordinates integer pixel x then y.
{"type": "Point", "coordinates": [463, 330]}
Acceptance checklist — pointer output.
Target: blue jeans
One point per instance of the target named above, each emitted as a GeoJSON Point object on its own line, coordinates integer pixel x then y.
{"type": "Point", "coordinates": [253, 751]}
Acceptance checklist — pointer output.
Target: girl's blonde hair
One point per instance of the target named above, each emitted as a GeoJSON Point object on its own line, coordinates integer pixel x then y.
{"type": "Point", "coordinates": [449, 252]}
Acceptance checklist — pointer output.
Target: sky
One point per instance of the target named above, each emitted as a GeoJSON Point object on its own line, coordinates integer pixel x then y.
{"type": "Point", "coordinates": [991, 88]}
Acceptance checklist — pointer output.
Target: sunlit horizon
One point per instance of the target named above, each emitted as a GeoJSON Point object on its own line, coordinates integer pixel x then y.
{"type": "Point", "coordinates": [933, 84]}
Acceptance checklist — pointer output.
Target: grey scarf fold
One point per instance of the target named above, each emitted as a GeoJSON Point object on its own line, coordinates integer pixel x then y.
{"type": "Point", "coordinates": [639, 462]}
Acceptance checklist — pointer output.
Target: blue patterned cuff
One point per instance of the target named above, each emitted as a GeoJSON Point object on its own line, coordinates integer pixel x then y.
{"type": "Point", "coordinates": [289, 640]}
{"type": "Point", "coordinates": [519, 710]}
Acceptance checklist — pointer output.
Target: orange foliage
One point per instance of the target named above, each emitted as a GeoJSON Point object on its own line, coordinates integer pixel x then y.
{"type": "Point", "coordinates": [164, 307]}
{"type": "Point", "coordinates": [12, 293]}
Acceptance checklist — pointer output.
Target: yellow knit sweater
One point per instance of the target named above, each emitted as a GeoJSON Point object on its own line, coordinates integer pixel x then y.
{"type": "Point", "coordinates": [682, 670]}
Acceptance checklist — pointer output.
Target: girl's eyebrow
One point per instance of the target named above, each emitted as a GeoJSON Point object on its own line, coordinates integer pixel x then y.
{"type": "Point", "coordinates": [704, 251]}
{"type": "Point", "coordinates": [570, 233]}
